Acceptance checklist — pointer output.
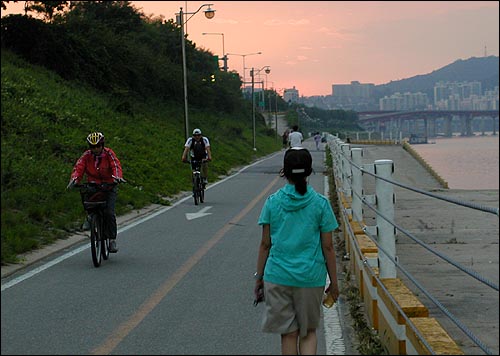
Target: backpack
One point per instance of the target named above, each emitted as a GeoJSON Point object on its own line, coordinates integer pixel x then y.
{"type": "Point", "coordinates": [198, 149]}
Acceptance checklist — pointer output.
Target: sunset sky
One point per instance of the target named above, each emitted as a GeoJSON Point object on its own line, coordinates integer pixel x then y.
{"type": "Point", "coordinates": [314, 44]}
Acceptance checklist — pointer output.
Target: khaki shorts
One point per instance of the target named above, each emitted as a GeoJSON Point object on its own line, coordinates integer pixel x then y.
{"type": "Point", "coordinates": [288, 309]}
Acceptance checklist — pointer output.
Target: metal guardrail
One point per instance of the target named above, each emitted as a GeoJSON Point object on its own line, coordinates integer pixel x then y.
{"type": "Point", "coordinates": [349, 169]}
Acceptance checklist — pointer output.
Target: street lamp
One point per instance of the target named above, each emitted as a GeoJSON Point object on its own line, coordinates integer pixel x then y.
{"type": "Point", "coordinates": [243, 55]}
{"type": "Point", "coordinates": [270, 119]}
{"type": "Point", "coordinates": [224, 57]}
{"type": "Point", "coordinates": [252, 74]}
{"type": "Point", "coordinates": [209, 14]}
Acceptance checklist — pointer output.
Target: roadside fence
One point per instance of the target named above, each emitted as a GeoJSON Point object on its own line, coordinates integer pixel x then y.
{"type": "Point", "coordinates": [402, 321]}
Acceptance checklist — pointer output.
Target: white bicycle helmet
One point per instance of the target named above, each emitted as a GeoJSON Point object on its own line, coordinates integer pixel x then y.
{"type": "Point", "coordinates": [95, 138]}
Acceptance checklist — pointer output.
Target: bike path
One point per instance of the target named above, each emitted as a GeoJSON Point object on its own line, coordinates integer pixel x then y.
{"type": "Point", "coordinates": [177, 286]}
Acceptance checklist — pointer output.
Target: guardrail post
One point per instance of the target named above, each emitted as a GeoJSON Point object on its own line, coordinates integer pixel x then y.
{"type": "Point", "coordinates": [334, 144]}
{"type": "Point", "coordinates": [384, 192]}
{"type": "Point", "coordinates": [357, 184]}
{"type": "Point", "coordinates": [346, 169]}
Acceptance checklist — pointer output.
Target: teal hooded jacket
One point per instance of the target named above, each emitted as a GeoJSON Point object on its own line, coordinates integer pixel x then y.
{"type": "Point", "coordinates": [296, 222]}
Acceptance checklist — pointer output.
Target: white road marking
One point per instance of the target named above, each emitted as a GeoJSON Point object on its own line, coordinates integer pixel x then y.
{"type": "Point", "coordinates": [199, 214]}
{"type": "Point", "coordinates": [334, 339]}
{"type": "Point", "coordinates": [61, 258]}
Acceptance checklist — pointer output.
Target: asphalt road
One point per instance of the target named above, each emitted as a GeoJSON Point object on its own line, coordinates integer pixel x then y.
{"type": "Point", "coordinates": [181, 282]}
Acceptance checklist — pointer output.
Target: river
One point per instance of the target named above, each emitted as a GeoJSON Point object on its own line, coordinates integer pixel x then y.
{"type": "Point", "coordinates": [464, 162]}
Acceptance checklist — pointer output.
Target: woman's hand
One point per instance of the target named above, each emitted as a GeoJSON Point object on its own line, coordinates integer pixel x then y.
{"type": "Point", "coordinates": [333, 289]}
{"type": "Point", "coordinates": [258, 292]}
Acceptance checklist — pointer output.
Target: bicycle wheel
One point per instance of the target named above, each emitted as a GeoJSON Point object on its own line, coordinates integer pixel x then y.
{"type": "Point", "coordinates": [104, 247]}
{"type": "Point", "coordinates": [196, 192]}
{"type": "Point", "coordinates": [201, 191]}
{"type": "Point", "coordinates": [95, 240]}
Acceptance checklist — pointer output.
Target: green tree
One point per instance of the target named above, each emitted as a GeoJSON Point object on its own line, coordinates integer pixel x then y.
{"type": "Point", "coordinates": [46, 8]}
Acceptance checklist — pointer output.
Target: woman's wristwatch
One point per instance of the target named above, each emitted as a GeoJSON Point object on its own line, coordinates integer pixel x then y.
{"type": "Point", "coordinates": [258, 276]}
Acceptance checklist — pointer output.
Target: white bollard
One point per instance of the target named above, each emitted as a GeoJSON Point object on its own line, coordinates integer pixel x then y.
{"type": "Point", "coordinates": [357, 185]}
{"type": "Point", "coordinates": [335, 150]}
{"type": "Point", "coordinates": [384, 192]}
{"type": "Point", "coordinates": [346, 169]}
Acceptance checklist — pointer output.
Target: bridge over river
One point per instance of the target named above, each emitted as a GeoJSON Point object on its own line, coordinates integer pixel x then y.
{"type": "Point", "coordinates": [430, 123]}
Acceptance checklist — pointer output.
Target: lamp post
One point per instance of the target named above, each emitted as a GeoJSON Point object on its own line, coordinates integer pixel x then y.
{"type": "Point", "coordinates": [276, 94]}
{"type": "Point", "coordinates": [224, 57]}
{"type": "Point", "coordinates": [252, 74]}
{"type": "Point", "coordinates": [243, 55]}
{"type": "Point", "coordinates": [209, 14]}
{"type": "Point", "coordinates": [264, 88]}
{"type": "Point", "coordinates": [270, 119]}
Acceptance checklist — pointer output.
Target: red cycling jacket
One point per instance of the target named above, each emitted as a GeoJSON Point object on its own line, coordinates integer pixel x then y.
{"type": "Point", "coordinates": [99, 169]}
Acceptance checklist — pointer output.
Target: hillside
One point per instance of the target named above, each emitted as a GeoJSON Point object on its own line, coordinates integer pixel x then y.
{"type": "Point", "coordinates": [45, 120]}
{"type": "Point", "coordinates": [483, 69]}
{"type": "Point", "coordinates": [106, 66]}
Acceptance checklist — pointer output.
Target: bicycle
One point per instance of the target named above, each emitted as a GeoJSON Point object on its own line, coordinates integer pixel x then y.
{"type": "Point", "coordinates": [94, 202]}
{"type": "Point", "coordinates": [198, 184]}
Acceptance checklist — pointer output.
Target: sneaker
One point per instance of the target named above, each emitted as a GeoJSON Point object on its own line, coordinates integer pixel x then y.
{"type": "Point", "coordinates": [112, 246]}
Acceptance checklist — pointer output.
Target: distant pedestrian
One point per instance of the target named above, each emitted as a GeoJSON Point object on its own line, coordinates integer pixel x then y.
{"type": "Point", "coordinates": [295, 255]}
{"type": "Point", "coordinates": [285, 138]}
{"type": "Point", "coordinates": [317, 140]}
{"type": "Point", "coordinates": [295, 137]}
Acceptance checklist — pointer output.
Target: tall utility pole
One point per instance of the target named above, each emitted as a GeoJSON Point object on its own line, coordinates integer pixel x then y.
{"type": "Point", "coordinates": [224, 56]}
{"type": "Point", "coordinates": [209, 14]}
{"type": "Point", "coordinates": [244, 68]}
{"type": "Point", "coordinates": [252, 74]}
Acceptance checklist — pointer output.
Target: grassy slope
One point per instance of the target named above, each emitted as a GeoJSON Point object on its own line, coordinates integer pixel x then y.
{"type": "Point", "coordinates": [44, 124]}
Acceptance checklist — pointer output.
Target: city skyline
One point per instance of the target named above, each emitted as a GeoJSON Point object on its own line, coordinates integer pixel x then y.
{"type": "Point", "coordinates": [315, 44]}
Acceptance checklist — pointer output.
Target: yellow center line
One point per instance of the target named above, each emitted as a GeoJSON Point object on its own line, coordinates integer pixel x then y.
{"type": "Point", "coordinates": [127, 326]}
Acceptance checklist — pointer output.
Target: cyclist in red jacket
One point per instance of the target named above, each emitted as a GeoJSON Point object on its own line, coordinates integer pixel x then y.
{"type": "Point", "coordinates": [100, 165]}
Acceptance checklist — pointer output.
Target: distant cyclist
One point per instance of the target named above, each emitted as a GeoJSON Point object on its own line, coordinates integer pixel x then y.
{"type": "Point", "coordinates": [198, 147]}
{"type": "Point", "coordinates": [100, 165]}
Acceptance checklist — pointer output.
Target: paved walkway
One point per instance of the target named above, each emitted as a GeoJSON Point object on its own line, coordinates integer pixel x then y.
{"type": "Point", "coordinates": [34, 256]}
{"type": "Point", "coordinates": [466, 236]}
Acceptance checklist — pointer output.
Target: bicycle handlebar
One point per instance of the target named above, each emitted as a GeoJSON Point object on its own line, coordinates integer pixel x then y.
{"type": "Point", "coordinates": [94, 184]}
{"type": "Point", "coordinates": [197, 160]}
{"type": "Point", "coordinates": [73, 184]}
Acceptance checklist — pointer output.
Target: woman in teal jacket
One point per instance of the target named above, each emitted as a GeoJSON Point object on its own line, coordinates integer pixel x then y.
{"type": "Point", "coordinates": [295, 254]}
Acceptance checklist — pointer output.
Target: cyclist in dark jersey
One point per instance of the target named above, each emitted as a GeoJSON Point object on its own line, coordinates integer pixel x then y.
{"type": "Point", "coordinates": [198, 147]}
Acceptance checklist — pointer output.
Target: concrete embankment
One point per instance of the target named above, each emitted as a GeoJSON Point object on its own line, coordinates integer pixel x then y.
{"type": "Point", "coordinates": [467, 236]}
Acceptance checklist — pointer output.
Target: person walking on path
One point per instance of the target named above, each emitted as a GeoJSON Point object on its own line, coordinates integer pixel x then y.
{"type": "Point", "coordinates": [295, 255]}
{"type": "Point", "coordinates": [317, 140]}
{"type": "Point", "coordinates": [285, 138]}
{"type": "Point", "coordinates": [295, 137]}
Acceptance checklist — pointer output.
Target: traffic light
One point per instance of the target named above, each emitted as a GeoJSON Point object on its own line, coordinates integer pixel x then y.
{"type": "Point", "coordinates": [225, 63]}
